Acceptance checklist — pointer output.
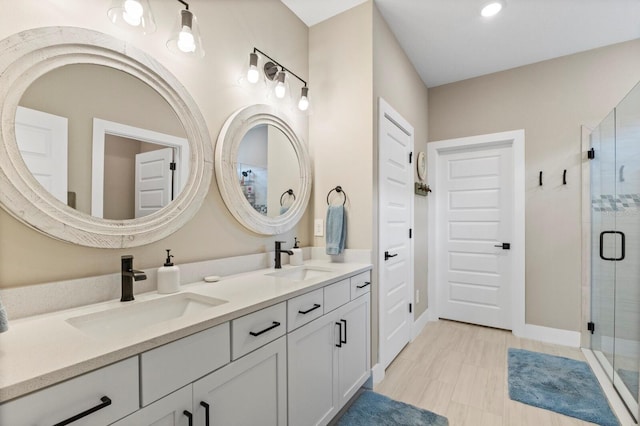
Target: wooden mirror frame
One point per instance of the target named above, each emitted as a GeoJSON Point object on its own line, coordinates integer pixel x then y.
{"type": "Point", "coordinates": [26, 56]}
{"type": "Point", "coordinates": [227, 145]}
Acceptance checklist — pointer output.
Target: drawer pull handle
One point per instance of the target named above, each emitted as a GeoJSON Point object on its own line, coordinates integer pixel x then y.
{"type": "Point", "coordinates": [345, 331]}
{"type": "Point", "coordinates": [339, 344]}
{"type": "Point", "coordinates": [257, 333]}
{"type": "Point", "coordinates": [206, 412]}
{"type": "Point", "coordinates": [106, 401]}
{"type": "Point", "coordinates": [366, 283]}
{"type": "Point", "coordinates": [315, 306]}
{"type": "Point", "coordinates": [189, 416]}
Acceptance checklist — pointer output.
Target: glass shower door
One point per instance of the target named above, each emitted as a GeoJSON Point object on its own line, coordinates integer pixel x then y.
{"type": "Point", "coordinates": [627, 270]}
{"type": "Point", "coordinates": [603, 221]}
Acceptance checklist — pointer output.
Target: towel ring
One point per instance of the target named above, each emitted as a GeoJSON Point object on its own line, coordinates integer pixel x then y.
{"type": "Point", "coordinates": [339, 190]}
{"type": "Point", "coordinates": [290, 192]}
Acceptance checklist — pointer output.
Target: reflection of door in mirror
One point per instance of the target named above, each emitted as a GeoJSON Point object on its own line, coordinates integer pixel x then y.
{"type": "Point", "coordinates": [80, 92]}
{"type": "Point", "coordinates": [147, 166]}
{"type": "Point", "coordinates": [267, 167]}
{"type": "Point", "coordinates": [136, 171]}
{"type": "Point", "coordinates": [42, 141]}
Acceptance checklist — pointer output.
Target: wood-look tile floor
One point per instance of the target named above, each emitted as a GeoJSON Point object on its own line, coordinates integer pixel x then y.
{"type": "Point", "coordinates": [460, 371]}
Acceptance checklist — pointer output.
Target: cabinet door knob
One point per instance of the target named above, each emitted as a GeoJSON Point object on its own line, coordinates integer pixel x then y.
{"type": "Point", "coordinates": [339, 344]}
{"type": "Point", "coordinates": [189, 416]}
{"type": "Point", "coordinates": [206, 412]}
{"type": "Point", "coordinates": [106, 401]}
{"type": "Point", "coordinates": [345, 331]}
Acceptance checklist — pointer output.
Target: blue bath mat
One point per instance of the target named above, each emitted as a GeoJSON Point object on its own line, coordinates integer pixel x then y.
{"type": "Point", "coordinates": [559, 384]}
{"type": "Point", "coordinates": [373, 409]}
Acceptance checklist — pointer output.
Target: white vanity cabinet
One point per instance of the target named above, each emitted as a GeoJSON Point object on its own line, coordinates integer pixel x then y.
{"type": "Point", "coordinates": [250, 391]}
{"type": "Point", "coordinates": [328, 359]}
{"type": "Point", "coordinates": [96, 398]}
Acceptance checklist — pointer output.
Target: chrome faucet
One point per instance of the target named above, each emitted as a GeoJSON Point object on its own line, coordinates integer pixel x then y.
{"type": "Point", "coordinates": [279, 252]}
{"type": "Point", "coordinates": [129, 275]}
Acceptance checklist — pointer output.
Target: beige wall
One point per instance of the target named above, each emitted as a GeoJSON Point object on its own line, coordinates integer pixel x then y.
{"type": "Point", "coordinates": [230, 29]}
{"type": "Point", "coordinates": [397, 82]}
{"type": "Point", "coordinates": [550, 100]}
{"type": "Point", "coordinates": [354, 59]}
{"type": "Point", "coordinates": [341, 126]}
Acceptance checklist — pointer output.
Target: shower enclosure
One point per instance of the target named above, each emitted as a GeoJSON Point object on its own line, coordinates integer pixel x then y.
{"type": "Point", "coordinates": [615, 243]}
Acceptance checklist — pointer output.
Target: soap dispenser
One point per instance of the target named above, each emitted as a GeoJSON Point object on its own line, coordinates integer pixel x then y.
{"type": "Point", "coordinates": [168, 276]}
{"type": "Point", "coordinates": [296, 258]}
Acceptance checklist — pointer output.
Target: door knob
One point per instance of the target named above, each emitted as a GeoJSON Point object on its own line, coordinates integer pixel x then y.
{"type": "Point", "coordinates": [504, 246]}
{"type": "Point", "coordinates": [387, 255]}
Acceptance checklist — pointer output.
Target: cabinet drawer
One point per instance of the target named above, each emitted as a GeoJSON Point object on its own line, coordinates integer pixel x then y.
{"type": "Point", "coordinates": [118, 382]}
{"type": "Point", "coordinates": [169, 367]}
{"type": "Point", "coordinates": [336, 295]}
{"type": "Point", "coordinates": [302, 309]}
{"type": "Point", "coordinates": [360, 284]}
{"type": "Point", "coordinates": [257, 329]}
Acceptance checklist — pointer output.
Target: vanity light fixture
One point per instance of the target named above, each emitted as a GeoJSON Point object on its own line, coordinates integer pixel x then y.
{"type": "Point", "coordinates": [185, 39]}
{"type": "Point", "coordinates": [303, 103]}
{"type": "Point", "coordinates": [253, 75]}
{"type": "Point", "coordinates": [134, 14]}
{"type": "Point", "coordinates": [280, 90]}
{"type": "Point", "coordinates": [492, 8]}
{"type": "Point", "coordinates": [277, 73]}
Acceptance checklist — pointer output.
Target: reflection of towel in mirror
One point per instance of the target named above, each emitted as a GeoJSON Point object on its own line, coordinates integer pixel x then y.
{"type": "Point", "coordinates": [336, 229]}
{"type": "Point", "coordinates": [283, 209]}
{"type": "Point", "coordinates": [4, 321]}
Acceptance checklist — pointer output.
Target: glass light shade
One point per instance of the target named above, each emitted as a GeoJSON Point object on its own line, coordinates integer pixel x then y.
{"type": "Point", "coordinates": [253, 75]}
{"type": "Point", "coordinates": [303, 103]}
{"type": "Point", "coordinates": [280, 89]}
{"type": "Point", "coordinates": [185, 39]}
{"type": "Point", "coordinates": [132, 14]}
{"type": "Point", "coordinates": [492, 9]}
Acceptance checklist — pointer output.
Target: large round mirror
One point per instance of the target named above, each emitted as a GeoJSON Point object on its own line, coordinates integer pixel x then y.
{"type": "Point", "coordinates": [99, 144]}
{"type": "Point", "coordinates": [263, 170]}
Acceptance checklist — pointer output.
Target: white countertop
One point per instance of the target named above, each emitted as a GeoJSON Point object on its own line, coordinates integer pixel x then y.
{"type": "Point", "coordinates": [43, 350]}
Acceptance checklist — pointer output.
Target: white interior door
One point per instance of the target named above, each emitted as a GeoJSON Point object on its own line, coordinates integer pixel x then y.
{"type": "Point", "coordinates": [395, 140]}
{"type": "Point", "coordinates": [153, 181]}
{"type": "Point", "coordinates": [42, 140]}
{"type": "Point", "coordinates": [475, 202]}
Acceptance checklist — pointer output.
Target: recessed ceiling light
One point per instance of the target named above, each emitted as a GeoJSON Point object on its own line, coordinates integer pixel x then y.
{"type": "Point", "coordinates": [492, 9]}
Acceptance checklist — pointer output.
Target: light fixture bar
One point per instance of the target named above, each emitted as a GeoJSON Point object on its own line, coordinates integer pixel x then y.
{"type": "Point", "coordinates": [285, 69]}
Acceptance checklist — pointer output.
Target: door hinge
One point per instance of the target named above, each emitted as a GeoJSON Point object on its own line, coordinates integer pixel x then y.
{"type": "Point", "coordinates": [591, 154]}
{"type": "Point", "coordinates": [410, 308]}
{"type": "Point", "coordinates": [410, 233]}
{"type": "Point", "coordinates": [591, 327]}
{"type": "Point", "coordinates": [172, 165]}
{"type": "Point", "coordinates": [410, 157]}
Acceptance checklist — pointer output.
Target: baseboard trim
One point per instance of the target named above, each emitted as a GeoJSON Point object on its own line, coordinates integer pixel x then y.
{"type": "Point", "coordinates": [551, 335]}
{"type": "Point", "coordinates": [419, 324]}
{"type": "Point", "coordinates": [377, 372]}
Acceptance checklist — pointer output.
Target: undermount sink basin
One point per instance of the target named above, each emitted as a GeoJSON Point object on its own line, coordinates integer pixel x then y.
{"type": "Point", "coordinates": [301, 273]}
{"type": "Point", "coordinates": [139, 315]}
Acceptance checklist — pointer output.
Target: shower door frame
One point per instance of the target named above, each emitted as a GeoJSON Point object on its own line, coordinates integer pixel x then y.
{"type": "Point", "coordinates": [621, 409]}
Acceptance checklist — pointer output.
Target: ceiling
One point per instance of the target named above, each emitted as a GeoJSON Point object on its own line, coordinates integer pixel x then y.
{"type": "Point", "coordinates": [448, 40]}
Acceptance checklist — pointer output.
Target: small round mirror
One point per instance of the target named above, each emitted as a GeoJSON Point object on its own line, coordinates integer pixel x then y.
{"type": "Point", "coordinates": [263, 170]}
